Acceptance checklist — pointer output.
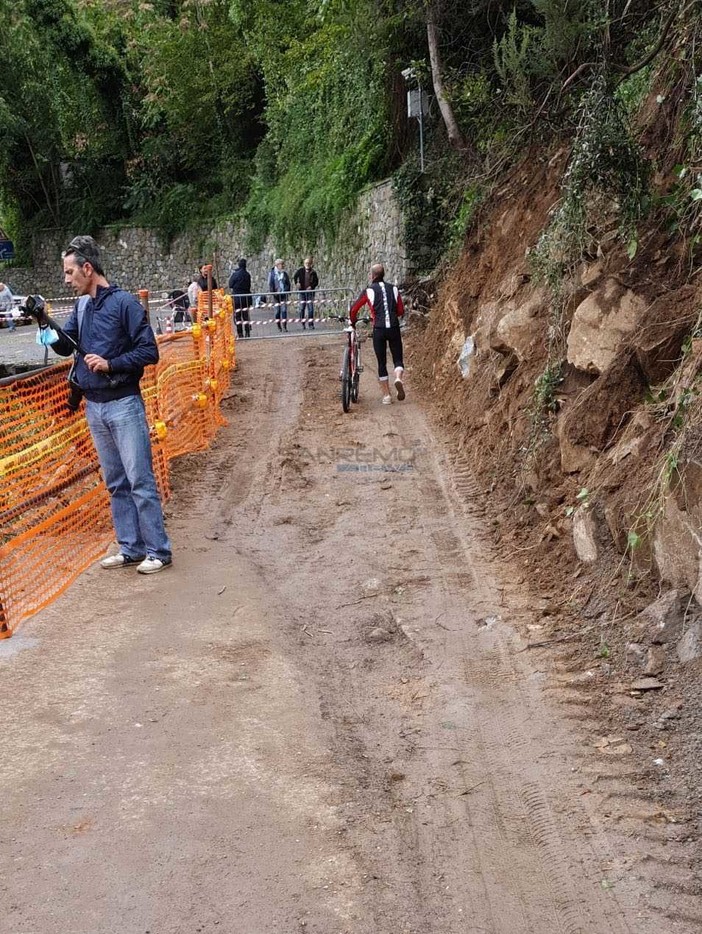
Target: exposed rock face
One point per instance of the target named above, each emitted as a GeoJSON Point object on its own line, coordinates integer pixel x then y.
{"type": "Point", "coordinates": [677, 539]}
{"type": "Point", "coordinates": [659, 339]}
{"type": "Point", "coordinates": [608, 315]}
{"type": "Point", "coordinates": [675, 549]}
{"type": "Point", "coordinates": [662, 621]}
{"type": "Point", "coordinates": [690, 646]}
{"type": "Point", "coordinates": [587, 426]}
{"type": "Point", "coordinates": [584, 535]}
{"type": "Point", "coordinates": [485, 322]}
{"type": "Point", "coordinates": [521, 325]}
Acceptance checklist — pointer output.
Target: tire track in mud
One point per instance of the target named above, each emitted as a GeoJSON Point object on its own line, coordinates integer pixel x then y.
{"type": "Point", "coordinates": [517, 831]}
{"type": "Point", "coordinates": [452, 759]}
{"type": "Point", "coordinates": [621, 785]}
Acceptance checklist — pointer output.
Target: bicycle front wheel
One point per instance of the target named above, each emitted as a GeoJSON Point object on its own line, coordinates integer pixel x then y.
{"type": "Point", "coordinates": [346, 381]}
{"type": "Point", "coordinates": [356, 378]}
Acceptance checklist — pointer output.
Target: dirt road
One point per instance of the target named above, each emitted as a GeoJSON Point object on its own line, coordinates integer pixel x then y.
{"type": "Point", "coordinates": [323, 718]}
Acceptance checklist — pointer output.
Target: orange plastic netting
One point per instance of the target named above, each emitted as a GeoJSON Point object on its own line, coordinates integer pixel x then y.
{"type": "Point", "coordinates": [54, 508]}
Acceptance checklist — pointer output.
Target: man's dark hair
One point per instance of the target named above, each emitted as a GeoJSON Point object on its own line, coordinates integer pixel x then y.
{"type": "Point", "coordinates": [85, 250]}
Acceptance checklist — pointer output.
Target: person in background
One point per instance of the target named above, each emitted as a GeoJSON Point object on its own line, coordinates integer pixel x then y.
{"type": "Point", "coordinates": [386, 308]}
{"type": "Point", "coordinates": [202, 278]}
{"type": "Point", "coordinates": [279, 285]}
{"type": "Point", "coordinates": [240, 287]}
{"type": "Point", "coordinates": [179, 305]}
{"type": "Point", "coordinates": [6, 304]}
{"type": "Point", "coordinates": [116, 343]}
{"type": "Point", "coordinates": [193, 292]}
{"type": "Point", "coordinates": [307, 280]}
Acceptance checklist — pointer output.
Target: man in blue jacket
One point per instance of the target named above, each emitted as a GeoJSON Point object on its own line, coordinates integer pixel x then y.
{"type": "Point", "coordinates": [116, 342]}
{"type": "Point", "coordinates": [279, 286]}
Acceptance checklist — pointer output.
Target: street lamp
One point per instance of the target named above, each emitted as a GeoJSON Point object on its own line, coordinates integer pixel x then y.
{"type": "Point", "coordinates": [415, 106]}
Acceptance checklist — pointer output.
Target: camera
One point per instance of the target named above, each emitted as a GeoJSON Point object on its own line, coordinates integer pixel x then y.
{"type": "Point", "coordinates": [75, 393]}
{"type": "Point", "coordinates": [34, 307]}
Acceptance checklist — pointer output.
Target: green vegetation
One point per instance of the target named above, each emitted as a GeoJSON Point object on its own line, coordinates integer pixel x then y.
{"type": "Point", "coordinates": [172, 112]}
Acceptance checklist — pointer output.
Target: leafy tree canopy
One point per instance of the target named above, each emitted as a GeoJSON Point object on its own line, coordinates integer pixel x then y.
{"type": "Point", "coordinates": [173, 111]}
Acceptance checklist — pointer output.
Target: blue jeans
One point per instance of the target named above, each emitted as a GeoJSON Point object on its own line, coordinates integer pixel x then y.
{"type": "Point", "coordinates": [307, 301]}
{"type": "Point", "coordinates": [281, 312]}
{"type": "Point", "coordinates": [121, 438]}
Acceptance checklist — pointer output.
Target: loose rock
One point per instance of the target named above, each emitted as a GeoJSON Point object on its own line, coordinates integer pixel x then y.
{"type": "Point", "coordinates": [655, 661]}
{"type": "Point", "coordinates": [662, 621]}
{"type": "Point", "coordinates": [690, 646]}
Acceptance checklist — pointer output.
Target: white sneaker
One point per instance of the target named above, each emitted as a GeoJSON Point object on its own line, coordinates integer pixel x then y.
{"type": "Point", "coordinates": [387, 400]}
{"type": "Point", "coordinates": [400, 389]}
{"type": "Point", "coordinates": [153, 565]}
{"type": "Point", "coordinates": [119, 561]}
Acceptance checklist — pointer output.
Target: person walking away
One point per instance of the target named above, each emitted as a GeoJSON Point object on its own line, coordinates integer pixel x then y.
{"type": "Point", "coordinates": [240, 287]}
{"type": "Point", "coordinates": [386, 309]}
{"type": "Point", "coordinates": [6, 304]}
{"type": "Point", "coordinates": [307, 280]}
{"type": "Point", "coordinates": [116, 343]}
{"type": "Point", "coordinates": [279, 285]}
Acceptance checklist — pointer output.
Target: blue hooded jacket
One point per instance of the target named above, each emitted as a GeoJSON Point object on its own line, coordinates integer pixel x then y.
{"type": "Point", "coordinates": [115, 326]}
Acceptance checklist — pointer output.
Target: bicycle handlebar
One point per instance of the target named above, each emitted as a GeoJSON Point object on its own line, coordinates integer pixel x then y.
{"type": "Point", "coordinates": [364, 320]}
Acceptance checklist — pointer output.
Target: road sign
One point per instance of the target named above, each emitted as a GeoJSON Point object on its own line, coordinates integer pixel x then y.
{"type": "Point", "coordinates": [417, 104]}
{"type": "Point", "coordinates": [7, 247]}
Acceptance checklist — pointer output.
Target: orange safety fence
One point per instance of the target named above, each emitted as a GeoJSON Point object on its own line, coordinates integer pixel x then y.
{"type": "Point", "coordinates": [54, 508]}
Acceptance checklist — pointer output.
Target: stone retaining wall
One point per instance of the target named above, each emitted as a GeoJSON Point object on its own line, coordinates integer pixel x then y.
{"type": "Point", "coordinates": [137, 258]}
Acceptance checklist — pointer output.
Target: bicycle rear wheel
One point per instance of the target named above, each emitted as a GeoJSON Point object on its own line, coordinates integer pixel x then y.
{"type": "Point", "coordinates": [346, 382]}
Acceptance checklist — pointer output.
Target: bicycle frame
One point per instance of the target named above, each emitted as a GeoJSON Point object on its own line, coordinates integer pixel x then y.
{"type": "Point", "coordinates": [351, 368]}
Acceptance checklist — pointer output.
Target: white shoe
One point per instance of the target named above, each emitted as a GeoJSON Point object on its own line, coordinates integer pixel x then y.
{"type": "Point", "coordinates": [400, 389]}
{"type": "Point", "coordinates": [387, 400]}
{"type": "Point", "coordinates": [119, 561]}
{"type": "Point", "coordinates": [153, 565]}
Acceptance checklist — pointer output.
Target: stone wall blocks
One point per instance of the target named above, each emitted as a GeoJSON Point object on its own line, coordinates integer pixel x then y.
{"type": "Point", "coordinates": [142, 263]}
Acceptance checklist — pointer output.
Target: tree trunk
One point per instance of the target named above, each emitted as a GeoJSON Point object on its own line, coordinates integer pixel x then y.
{"type": "Point", "coordinates": [456, 138]}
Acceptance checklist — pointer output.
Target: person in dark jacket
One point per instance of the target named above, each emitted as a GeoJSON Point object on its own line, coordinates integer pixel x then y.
{"type": "Point", "coordinates": [115, 343]}
{"type": "Point", "coordinates": [307, 280]}
{"type": "Point", "coordinates": [279, 285]}
{"type": "Point", "coordinates": [386, 308]}
{"type": "Point", "coordinates": [240, 287]}
{"type": "Point", "coordinates": [202, 278]}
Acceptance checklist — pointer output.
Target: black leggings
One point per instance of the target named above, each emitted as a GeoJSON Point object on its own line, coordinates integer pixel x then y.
{"type": "Point", "coordinates": [381, 338]}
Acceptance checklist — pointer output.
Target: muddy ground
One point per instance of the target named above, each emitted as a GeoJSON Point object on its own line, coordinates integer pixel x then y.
{"type": "Point", "coordinates": [326, 717]}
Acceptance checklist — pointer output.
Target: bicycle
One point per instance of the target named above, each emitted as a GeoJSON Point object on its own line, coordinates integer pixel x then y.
{"type": "Point", "coordinates": [351, 366]}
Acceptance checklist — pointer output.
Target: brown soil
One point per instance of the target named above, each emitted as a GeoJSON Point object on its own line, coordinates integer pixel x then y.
{"type": "Point", "coordinates": [527, 495]}
{"type": "Point", "coordinates": [326, 717]}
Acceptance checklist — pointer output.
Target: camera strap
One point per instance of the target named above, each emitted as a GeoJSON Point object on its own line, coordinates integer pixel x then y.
{"type": "Point", "coordinates": [80, 313]}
